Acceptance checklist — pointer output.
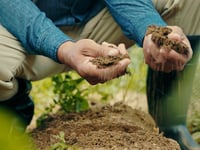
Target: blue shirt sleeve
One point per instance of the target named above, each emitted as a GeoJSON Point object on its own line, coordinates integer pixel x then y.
{"type": "Point", "coordinates": [134, 16]}
{"type": "Point", "coordinates": [33, 29]}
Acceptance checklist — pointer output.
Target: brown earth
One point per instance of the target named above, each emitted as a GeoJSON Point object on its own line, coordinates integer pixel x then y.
{"type": "Point", "coordinates": [159, 35]}
{"type": "Point", "coordinates": [116, 127]}
{"type": "Point", "coordinates": [103, 62]}
{"type": "Point", "coordinates": [160, 38]}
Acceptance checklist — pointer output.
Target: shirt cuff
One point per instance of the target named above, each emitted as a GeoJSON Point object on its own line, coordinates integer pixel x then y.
{"type": "Point", "coordinates": [50, 41]}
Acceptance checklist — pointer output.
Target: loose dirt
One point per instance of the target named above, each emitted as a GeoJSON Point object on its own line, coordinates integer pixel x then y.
{"type": "Point", "coordinates": [160, 38]}
{"type": "Point", "coordinates": [103, 62]}
{"type": "Point", "coordinates": [109, 127]}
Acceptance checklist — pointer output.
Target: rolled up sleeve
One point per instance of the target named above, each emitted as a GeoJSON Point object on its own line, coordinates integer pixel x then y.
{"type": "Point", "coordinates": [134, 16]}
{"type": "Point", "coordinates": [33, 29]}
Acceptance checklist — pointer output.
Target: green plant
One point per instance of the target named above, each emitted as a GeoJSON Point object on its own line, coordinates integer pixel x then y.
{"type": "Point", "coordinates": [61, 144]}
{"type": "Point", "coordinates": [69, 94]}
{"type": "Point", "coordinates": [72, 93]}
{"type": "Point", "coordinates": [12, 135]}
{"type": "Point", "coordinates": [45, 114]}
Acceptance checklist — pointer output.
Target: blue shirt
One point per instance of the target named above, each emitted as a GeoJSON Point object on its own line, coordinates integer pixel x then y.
{"type": "Point", "coordinates": [35, 23]}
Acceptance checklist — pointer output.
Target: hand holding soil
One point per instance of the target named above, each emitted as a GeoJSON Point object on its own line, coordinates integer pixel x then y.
{"type": "Point", "coordinates": [106, 61]}
{"type": "Point", "coordinates": [160, 38]}
{"type": "Point", "coordinates": [166, 49]}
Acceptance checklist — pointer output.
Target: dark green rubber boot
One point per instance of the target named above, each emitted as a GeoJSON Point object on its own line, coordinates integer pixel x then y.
{"type": "Point", "coordinates": [21, 104]}
{"type": "Point", "coordinates": [168, 96]}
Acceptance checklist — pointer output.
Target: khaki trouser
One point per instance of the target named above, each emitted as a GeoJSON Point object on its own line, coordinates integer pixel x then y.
{"type": "Point", "coordinates": [15, 62]}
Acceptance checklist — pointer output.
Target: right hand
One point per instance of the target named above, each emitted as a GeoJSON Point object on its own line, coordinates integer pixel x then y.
{"type": "Point", "coordinates": [77, 55]}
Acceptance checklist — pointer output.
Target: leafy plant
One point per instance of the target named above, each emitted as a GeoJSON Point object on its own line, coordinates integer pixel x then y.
{"type": "Point", "coordinates": [68, 93]}
{"type": "Point", "coordinates": [45, 114]}
{"type": "Point", "coordinates": [61, 144]}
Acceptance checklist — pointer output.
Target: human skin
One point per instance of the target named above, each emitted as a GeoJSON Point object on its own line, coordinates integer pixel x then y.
{"type": "Point", "coordinates": [163, 59]}
{"type": "Point", "coordinates": [77, 55]}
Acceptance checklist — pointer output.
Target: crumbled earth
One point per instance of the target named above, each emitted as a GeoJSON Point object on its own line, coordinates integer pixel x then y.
{"type": "Point", "coordinates": [103, 62]}
{"type": "Point", "coordinates": [117, 127]}
{"type": "Point", "coordinates": [160, 38]}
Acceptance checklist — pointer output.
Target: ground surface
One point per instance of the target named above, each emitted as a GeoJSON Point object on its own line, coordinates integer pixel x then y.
{"type": "Point", "coordinates": [117, 127]}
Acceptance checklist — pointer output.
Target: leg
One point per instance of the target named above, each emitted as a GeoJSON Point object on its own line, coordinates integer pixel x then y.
{"type": "Point", "coordinates": [183, 13]}
{"type": "Point", "coordinates": [17, 68]}
{"type": "Point", "coordinates": [100, 28]}
{"type": "Point", "coordinates": [169, 94]}
{"type": "Point", "coordinates": [168, 97]}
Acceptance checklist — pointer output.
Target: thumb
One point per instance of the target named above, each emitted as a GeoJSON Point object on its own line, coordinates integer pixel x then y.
{"type": "Point", "coordinates": [94, 49]}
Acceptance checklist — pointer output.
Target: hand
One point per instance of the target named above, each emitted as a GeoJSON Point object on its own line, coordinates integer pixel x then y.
{"type": "Point", "coordinates": [77, 55]}
{"type": "Point", "coordinates": [163, 59]}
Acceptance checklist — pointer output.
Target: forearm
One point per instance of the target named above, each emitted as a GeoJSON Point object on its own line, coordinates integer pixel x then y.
{"type": "Point", "coordinates": [33, 29]}
{"type": "Point", "coordinates": [134, 16]}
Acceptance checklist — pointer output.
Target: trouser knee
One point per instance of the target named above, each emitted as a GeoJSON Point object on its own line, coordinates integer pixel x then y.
{"type": "Point", "coordinates": [21, 104]}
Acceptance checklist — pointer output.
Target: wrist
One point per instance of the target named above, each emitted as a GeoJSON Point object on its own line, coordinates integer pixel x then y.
{"type": "Point", "coordinates": [63, 47]}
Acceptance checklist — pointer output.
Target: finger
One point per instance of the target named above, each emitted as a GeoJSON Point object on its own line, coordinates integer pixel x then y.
{"type": "Point", "coordinates": [153, 65]}
{"type": "Point", "coordinates": [174, 56]}
{"type": "Point", "coordinates": [122, 49]}
{"type": "Point", "coordinates": [89, 48]}
{"type": "Point", "coordinates": [93, 49]}
{"type": "Point", "coordinates": [176, 36]}
{"type": "Point", "coordinates": [109, 49]}
{"type": "Point", "coordinates": [109, 45]}
{"type": "Point", "coordinates": [96, 75]}
{"type": "Point", "coordinates": [155, 52]}
{"type": "Point", "coordinates": [190, 53]}
{"type": "Point", "coordinates": [147, 56]}
{"type": "Point", "coordinates": [116, 70]}
{"type": "Point", "coordinates": [180, 66]}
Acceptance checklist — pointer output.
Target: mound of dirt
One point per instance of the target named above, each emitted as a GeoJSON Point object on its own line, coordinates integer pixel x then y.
{"type": "Point", "coordinates": [117, 127]}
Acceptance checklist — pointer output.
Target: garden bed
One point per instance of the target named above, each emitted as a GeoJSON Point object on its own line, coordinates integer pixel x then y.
{"type": "Point", "coordinates": [117, 127]}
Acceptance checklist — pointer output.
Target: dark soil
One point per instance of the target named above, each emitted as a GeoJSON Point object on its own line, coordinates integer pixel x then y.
{"type": "Point", "coordinates": [103, 62]}
{"type": "Point", "coordinates": [160, 38]}
{"type": "Point", "coordinates": [117, 127]}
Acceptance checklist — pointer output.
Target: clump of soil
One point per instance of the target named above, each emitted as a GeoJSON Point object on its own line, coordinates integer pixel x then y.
{"type": "Point", "coordinates": [116, 127]}
{"type": "Point", "coordinates": [160, 38]}
{"type": "Point", "coordinates": [103, 62]}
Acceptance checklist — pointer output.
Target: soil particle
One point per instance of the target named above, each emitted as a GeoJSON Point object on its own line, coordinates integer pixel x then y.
{"type": "Point", "coordinates": [117, 127]}
{"type": "Point", "coordinates": [160, 38]}
{"type": "Point", "coordinates": [103, 62]}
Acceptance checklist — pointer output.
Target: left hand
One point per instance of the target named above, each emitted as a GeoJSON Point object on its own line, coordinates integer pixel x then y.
{"type": "Point", "coordinates": [163, 59]}
{"type": "Point", "coordinates": [77, 55]}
